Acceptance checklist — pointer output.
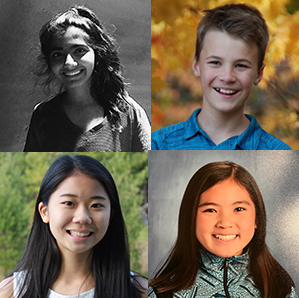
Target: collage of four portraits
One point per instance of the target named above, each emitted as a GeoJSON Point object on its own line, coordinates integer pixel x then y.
{"type": "Point", "coordinates": [149, 149]}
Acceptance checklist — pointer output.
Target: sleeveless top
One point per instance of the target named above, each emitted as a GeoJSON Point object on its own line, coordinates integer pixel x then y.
{"type": "Point", "coordinates": [89, 294]}
{"type": "Point", "coordinates": [18, 278]}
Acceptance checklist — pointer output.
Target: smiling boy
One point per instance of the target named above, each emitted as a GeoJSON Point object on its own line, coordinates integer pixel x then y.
{"type": "Point", "coordinates": [230, 49]}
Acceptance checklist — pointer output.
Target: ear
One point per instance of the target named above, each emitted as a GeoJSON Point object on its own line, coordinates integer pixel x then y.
{"type": "Point", "coordinates": [195, 67]}
{"type": "Point", "coordinates": [43, 211]}
{"type": "Point", "coordinates": [260, 74]}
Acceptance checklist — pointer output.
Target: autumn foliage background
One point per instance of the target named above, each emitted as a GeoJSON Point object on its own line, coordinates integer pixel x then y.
{"type": "Point", "coordinates": [176, 93]}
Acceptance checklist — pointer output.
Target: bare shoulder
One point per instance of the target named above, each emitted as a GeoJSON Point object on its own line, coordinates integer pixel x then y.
{"type": "Point", "coordinates": [6, 287]}
{"type": "Point", "coordinates": [141, 284]}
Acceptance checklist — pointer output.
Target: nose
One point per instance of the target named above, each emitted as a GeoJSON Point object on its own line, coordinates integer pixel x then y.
{"type": "Point", "coordinates": [70, 61]}
{"type": "Point", "coordinates": [227, 74]}
{"type": "Point", "coordinates": [82, 216]}
{"type": "Point", "coordinates": [224, 221]}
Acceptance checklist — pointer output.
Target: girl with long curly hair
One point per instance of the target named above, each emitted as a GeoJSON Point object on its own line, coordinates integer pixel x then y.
{"type": "Point", "coordinates": [92, 111]}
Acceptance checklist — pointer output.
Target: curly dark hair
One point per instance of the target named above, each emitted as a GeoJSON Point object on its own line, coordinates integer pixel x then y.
{"type": "Point", "coordinates": [108, 85]}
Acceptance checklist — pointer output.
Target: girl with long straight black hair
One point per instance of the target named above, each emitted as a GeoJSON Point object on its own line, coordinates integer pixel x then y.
{"type": "Point", "coordinates": [78, 243]}
{"type": "Point", "coordinates": [220, 250]}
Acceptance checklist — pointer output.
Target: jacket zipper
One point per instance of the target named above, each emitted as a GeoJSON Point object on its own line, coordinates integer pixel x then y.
{"type": "Point", "coordinates": [225, 278]}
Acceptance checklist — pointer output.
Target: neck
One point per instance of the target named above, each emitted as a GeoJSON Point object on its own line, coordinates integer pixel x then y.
{"type": "Point", "coordinates": [75, 267]}
{"type": "Point", "coordinates": [79, 97]}
{"type": "Point", "coordinates": [222, 126]}
{"type": "Point", "coordinates": [75, 275]}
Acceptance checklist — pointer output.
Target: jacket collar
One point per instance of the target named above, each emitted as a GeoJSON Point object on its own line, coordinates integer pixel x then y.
{"type": "Point", "coordinates": [216, 263]}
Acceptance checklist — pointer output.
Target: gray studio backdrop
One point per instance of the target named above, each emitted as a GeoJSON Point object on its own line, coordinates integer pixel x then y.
{"type": "Point", "coordinates": [20, 22]}
{"type": "Point", "coordinates": [276, 173]}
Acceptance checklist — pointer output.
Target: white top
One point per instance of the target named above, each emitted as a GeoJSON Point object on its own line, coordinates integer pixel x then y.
{"type": "Point", "coordinates": [89, 294]}
{"type": "Point", "coordinates": [18, 277]}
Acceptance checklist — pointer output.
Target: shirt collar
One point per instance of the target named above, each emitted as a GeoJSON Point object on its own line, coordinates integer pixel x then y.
{"type": "Point", "coordinates": [250, 138]}
{"type": "Point", "coordinates": [216, 263]}
{"type": "Point", "coordinates": [191, 125]}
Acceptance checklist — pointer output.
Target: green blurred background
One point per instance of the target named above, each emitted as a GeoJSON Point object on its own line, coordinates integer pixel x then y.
{"type": "Point", "coordinates": [20, 178]}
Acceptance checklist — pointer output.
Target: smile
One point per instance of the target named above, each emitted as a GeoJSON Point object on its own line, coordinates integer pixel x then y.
{"type": "Point", "coordinates": [78, 234]}
{"type": "Point", "coordinates": [226, 91]}
{"type": "Point", "coordinates": [225, 237]}
{"type": "Point", "coordinates": [72, 73]}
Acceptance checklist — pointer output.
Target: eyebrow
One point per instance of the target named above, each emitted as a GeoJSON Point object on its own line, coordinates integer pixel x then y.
{"type": "Point", "coordinates": [208, 204]}
{"type": "Point", "coordinates": [236, 61]}
{"type": "Point", "coordinates": [214, 204]}
{"type": "Point", "coordinates": [241, 202]}
{"type": "Point", "coordinates": [75, 196]}
{"type": "Point", "coordinates": [72, 47]}
{"type": "Point", "coordinates": [214, 57]}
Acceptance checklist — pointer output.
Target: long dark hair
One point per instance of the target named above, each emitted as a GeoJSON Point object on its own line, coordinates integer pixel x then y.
{"type": "Point", "coordinates": [110, 259]}
{"type": "Point", "coordinates": [180, 268]}
{"type": "Point", "coordinates": [107, 86]}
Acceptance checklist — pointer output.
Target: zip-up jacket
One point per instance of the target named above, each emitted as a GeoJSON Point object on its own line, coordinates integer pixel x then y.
{"type": "Point", "coordinates": [221, 277]}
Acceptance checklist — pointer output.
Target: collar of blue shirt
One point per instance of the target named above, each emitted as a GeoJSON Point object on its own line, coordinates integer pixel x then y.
{"type": "Point", "coordinates": [250, 136]}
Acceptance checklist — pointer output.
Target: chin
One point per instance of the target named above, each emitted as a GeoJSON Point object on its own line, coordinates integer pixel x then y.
{"type": "Point", "coordinates": [228, 109]}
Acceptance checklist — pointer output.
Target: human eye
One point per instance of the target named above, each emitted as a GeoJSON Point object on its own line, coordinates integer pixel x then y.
{"type": "Point", "coordinates": [209, 210]}
{"type": "Point", "coordinates": [239, 65]}
{"type": "Point", "coordinates": [69, 204]}
{"type": "Point", "coordinates": [214, 63]}
{"type": "Point", "coordinates": [56, 55]}
{"type": "Point", "coordinates": [81, 50]}
{"type": "Point", "coordinates": [97, 206]}
{"type": "Point", "coordinates": [239, 209]}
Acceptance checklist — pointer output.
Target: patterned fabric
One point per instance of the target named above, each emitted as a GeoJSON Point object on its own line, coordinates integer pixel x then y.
{"type": "Point", "coordinates": [189, 136]}
{"type": "Point", "coordinates": [209, 280]}
{"type": "Point", "coordinates": [51, 130]}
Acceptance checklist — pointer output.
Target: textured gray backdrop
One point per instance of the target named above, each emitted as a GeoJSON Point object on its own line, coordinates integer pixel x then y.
{"type": "Point", "coordinates": [20, 22]}
{"type": "Point", "coordinates": [276, 173]}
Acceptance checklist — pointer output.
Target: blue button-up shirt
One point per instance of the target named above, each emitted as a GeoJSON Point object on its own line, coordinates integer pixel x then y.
{"type": "Point", "coordinates": [188, 135]}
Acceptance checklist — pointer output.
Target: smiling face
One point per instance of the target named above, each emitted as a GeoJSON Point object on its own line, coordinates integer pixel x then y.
{"type": "Point", "coordinates": [227, 68]}
{"type": "Point", "coordinates": [72, 60]}
{"type": "Point", "coordinates": [225, 221]}
{"type": "Point", "coordinates": [78, 213]}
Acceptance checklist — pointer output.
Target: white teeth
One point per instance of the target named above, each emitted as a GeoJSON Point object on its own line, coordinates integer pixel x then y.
{"type": "Point", "coordinates": [72, 73]}
{"type": "Point", "coordinates": [225, 237]}
{"type": "Point", "coordinates": [77, 234]}
{"type": "Point", "coordinates": [225, 91]}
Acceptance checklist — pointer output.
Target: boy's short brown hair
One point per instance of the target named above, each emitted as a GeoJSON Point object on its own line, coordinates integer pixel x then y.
{"type": "Point", "coordinates": [239, 20]}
